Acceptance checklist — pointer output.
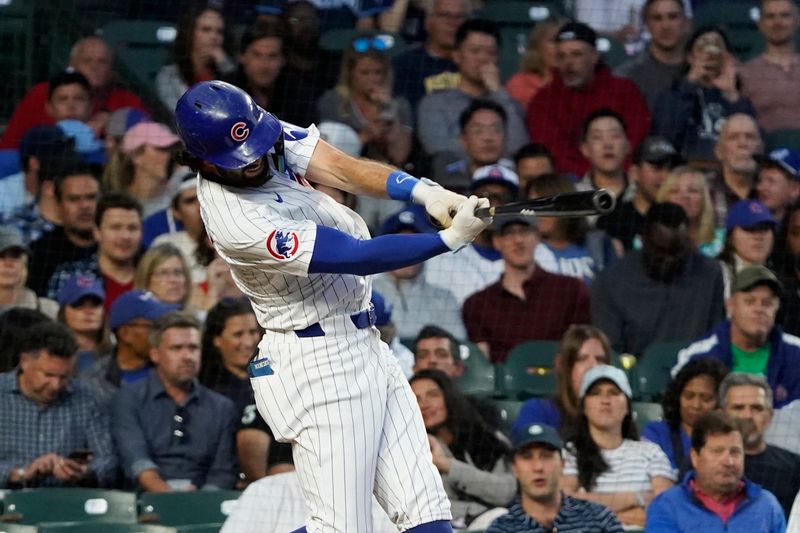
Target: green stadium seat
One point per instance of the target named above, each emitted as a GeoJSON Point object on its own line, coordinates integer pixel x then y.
{"type": "Point", "coordinates": [528, 370]}
{"type": "Point", "coordinates": [517, 13]}
{"type": "Point", "coordinates": [199, 528]}
{"type": "Point", "coordinates": [644, 412]}
{"type": "Point", "coordinates": [17, 528]}
{"type": "Point", "coordinates": [187, 508]}
{"type": "Point", "coordinates": [143, 46]}
{"type": "Point", "coordinates": [336, 40]}
{"type": "Point", "coordinates": [508, 409]}
{"type": "Point", "coordinates": [32, 506]}
{"type": "Point", "coordinates": [479, 373]}
{"type": "Point", "coordinates": [652, 370]}
{"type": "Point", "coordinates": [101, 527]}
{"type": "Point", "coordinates": [613, 51]}
{"type": "Point", "coordinates": [782, 138]}
{"type": "Point", "coordinates": [17, 40]}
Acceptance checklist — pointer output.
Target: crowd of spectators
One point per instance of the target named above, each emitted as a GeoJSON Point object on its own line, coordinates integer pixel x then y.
{"type": "Point", "coordinates": [125, 340]}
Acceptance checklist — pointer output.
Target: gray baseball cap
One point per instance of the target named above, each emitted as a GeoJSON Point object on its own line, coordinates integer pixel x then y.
{"type": "Point", "coordinates": [11, 239]}
{"type": "Point", "coordinates": [611, 373]}
{"type": "Point", "coordinates": [751, 276]}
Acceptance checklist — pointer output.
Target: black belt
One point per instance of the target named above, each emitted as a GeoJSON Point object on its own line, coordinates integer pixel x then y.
{"type": "Point", "coordinates": [361, 320]}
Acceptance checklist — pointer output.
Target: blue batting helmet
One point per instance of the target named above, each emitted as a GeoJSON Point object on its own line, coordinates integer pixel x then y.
{"type": "Point", "coordinates": [223, 125]}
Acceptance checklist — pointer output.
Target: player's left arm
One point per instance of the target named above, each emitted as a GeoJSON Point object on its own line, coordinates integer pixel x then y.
{"type": "Point", "coordinates": [332, 167]}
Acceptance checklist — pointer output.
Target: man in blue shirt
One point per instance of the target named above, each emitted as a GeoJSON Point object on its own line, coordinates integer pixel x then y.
{"type": "Point", "coordinates": [54, 432]}
{"type": "Point", "coordinates": [716, 496]}
{"type": "Point", "coordinates": [542, 507]}
{"type": "Point", "coordinates": [171, 432]}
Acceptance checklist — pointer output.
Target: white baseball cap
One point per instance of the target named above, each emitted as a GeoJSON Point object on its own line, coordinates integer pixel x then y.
{"type": "Point", "coordinates": [611, 373]}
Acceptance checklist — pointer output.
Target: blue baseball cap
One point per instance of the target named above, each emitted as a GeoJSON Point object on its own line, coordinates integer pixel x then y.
{"type": "Point", "coordinates": [495, 174]}
{"type": "Point", "coordinates": [746, 214]}
{"type": "Point", "coordinates": [608, 372]}
{"type": "Point", "coordinates": [536, 434]}
{"type": "Point", "coordinates": [383, 309]}
{"type": "Point", "coordinates": [413, 217]}
{"type": "Point", "coordinates": [786, 159]}
{"type": "Point", "coordinates": [137, 304]}
{"type": "Point", "coordinates": [80, 286]}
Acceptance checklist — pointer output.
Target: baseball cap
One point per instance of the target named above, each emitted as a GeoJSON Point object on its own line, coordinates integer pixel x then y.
{"type": "Point", "coordinates": [87, 144]}
{"type": "Point", "coordinates": [78, 286]}
{"type": "Point", "coordinates": [577, 31]}
{"type": "Point", "coordinates": [536, 434]}
{"type": "Point", "coordinates": [10, 239]}
{"type": "Point", "coordinates": [656, 150]}
{"type": "Point", "coordinates": [746, 214]}
{"type": "Point", "coordinates": [495, 174]}
{"type": "Point", "coordinates": [751, 276]}
{"type": "Point", "coordinates": [500, 223]}
{"type": "Point", "coordinates": [152, 133]}
{"type": "Point", "coordinates": [383, 309]}
{"type": "Point", "coordinates": [123, 119]}
{"type": "Point", "coordinates": [341, 136]}
{"type": "Point", "coordinates": [611, 373]}
{"type": "Point", "coordinates": [411, 217]}
{"type": "Point", "coordinates": [784, 158]}
{"type": "Point", "coordinates": [137, 304]}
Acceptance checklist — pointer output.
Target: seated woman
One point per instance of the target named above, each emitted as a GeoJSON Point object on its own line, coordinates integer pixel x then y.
{"type": "Point", "coordinates": [471, 457]}
{"type": "Point", "coordinates": [230, 337]}
{"type": "Point", "coordinates": [163, 271]}
{"type": "Point", "coordinates": [582, 347]}
{"type": "Point", "coordinates": [690, 395]}
{"type": "Point", "coordinates": [688, 188]}
{"type": "Point", "coordinates": [81, 299]}
{"type": "Point", "coordinates": [605, 462]}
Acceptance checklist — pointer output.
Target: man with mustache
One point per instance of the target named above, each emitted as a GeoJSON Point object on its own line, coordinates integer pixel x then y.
{"type": "Point", "coordinates": [748, 398]}
{"type": "Point", "coordinates": [172, 433]}
{"type": "Point", "coordinates": [666, 291]}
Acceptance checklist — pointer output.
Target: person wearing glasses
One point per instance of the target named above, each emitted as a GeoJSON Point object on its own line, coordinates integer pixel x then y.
{"type": "Point", "coordinates": [172, 433]}
{"type": "Point", "coordinates": [164, 272]}
{"type": "Point", "coordinates": [129, 320]}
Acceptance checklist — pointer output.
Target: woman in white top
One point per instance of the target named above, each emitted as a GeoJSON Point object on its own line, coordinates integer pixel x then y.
{"type": "Point", "coordinates": [604, 461]}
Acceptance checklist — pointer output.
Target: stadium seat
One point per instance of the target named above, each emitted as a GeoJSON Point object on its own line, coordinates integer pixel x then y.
{"type": "Point", "coordinates": [782, 138]}
{"type": "Point", "coordinates": [17, 40]}
{"type": "Point", "coordinates": [738, 19]}
{"type": "Point", "coordinates": [199, 528]}
{"type": "Point", "coordinates": [17, 528]}
{"type": "Point", "coordinates": [613, 51]}
{"type": "Point", "coordinates": [644, 412]}
{"type": "Point", "coordinates": [528, 370]}
{"type": "Point", "coordinates": [516, 13]}
{"type": "Point", "coordinates": [479, 374]}
{"type": "Point", "coordinates": [140, 45]}
{"type": "Point", "coordinates": [652, 370]}
{"type": "Point", "coordinates": [101, 527]}
{"type": "Point", "coordinates": [508, 409]}
{"type": "Point", "coordinates": [32, 506]}
{"type": "Point", "coordinates": [187, 508]}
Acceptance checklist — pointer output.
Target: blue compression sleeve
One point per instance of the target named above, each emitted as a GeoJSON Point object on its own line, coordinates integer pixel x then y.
{"type": "Point", "coordinates": [336, 252]}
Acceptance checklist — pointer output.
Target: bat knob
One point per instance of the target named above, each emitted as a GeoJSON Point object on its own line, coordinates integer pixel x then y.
{"type": "Point", "coordinates": [603, 201]}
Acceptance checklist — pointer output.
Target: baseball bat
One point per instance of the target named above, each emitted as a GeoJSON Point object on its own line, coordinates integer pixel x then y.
{"type": "Point", "coordinates": [568, 204]}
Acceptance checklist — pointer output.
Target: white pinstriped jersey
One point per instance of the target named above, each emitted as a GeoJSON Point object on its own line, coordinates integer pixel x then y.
{"type": "Point", "coordinates": [266, 234]}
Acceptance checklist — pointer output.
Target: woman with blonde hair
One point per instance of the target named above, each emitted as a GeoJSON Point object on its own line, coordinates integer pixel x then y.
{"type": "Point", "coordinates": [363, 100]}
{"type": "Point", "coordinates": [537, 64]}
{"type": "Point", "coordinates": [164, 272]}
{"type": "Point", "coordinates": [582, 347]}
{"type": "Point", "coordinates": [688, 188]}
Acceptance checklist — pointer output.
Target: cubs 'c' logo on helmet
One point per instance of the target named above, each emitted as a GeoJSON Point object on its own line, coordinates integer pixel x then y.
{"type": "Point", "coordinates": [282, 245]}
{"type": "Point", "coordinates": [239, 131]}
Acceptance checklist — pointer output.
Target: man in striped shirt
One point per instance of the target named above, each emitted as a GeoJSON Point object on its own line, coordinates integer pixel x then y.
{"type": "Point", "coordinates": [542, 507]}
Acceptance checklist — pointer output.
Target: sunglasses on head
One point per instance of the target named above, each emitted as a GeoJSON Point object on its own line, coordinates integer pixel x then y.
{"type": "Point", "coordinates": [362, 44]}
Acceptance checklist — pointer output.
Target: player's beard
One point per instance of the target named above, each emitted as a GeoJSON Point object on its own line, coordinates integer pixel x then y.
{"type": "Point", "coordinates": [239, 180]}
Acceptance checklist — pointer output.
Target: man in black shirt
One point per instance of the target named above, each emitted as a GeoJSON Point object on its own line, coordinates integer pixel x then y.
{"type": "Point", "coordinates": [748, 397]}
{"type": "Point", "coordinates": [76, 191]}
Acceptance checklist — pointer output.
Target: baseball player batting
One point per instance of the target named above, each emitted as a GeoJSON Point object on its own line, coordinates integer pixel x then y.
{"type": "Point", "coordinates": [323, 380]}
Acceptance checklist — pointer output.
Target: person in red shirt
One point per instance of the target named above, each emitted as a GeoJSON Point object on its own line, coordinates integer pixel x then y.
{"type": "Point", "coordinates": [92, 57]}
{"type": "Point", "coordinates": [581, 85]}
{"type": "Point", "coordinates": [527, 302]}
